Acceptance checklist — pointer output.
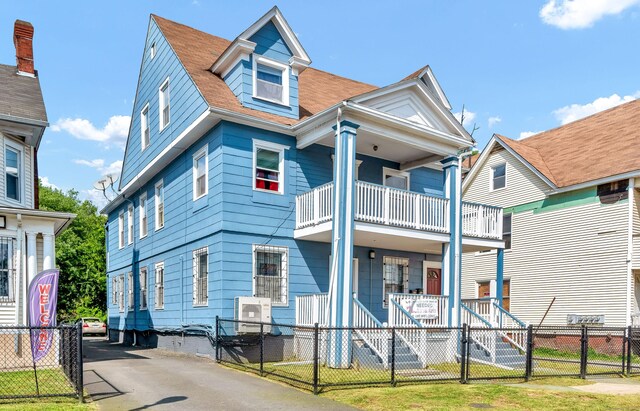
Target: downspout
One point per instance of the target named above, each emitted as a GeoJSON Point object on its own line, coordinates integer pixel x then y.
{"type": "Point", "coordinates": [631, 196]}
{"type": "Point", "coordinates": [18, 269]}
{"type": "Point", "coordinates": [182, 290]}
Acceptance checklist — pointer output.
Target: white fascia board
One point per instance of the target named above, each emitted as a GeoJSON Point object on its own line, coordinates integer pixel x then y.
{"type": "Point", "coordinates": [526, 163]}
{"type": "Point", "coordinates": [238, 50]}
{"type": "Point", "coordinates": [604, 180]}
{"type": "Point", "coordinates": [285, 31]}
{"type": "Point", "coordinates": [482, 242]}
{"type": "Point", "coordinates": [429, 73]}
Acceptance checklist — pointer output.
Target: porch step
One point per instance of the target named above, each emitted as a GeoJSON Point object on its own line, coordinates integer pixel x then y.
{"type": "Point", "coordinates": [405, 359]}
{"type": "Point", "coordinates": [506, 355]}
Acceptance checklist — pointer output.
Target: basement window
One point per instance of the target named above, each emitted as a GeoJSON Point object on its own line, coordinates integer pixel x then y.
{"type": "Point", "coordinates": [613, 192]}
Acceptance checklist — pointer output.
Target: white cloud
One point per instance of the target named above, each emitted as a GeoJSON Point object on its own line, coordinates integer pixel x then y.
{"type": "Point", "coordinates": [526, 134]}
{"type": "Point", "coordinates": [493, 121]}
{"type": "Point", "coordinates": [579, 14]}
{"type": "Point", "coordinates": [469, 116]}
{"type": "Point", "coordinates": [113, 133]}
{"type": "Point", "coordinates": [45, 182]}
{"type": "Point", "coordinates": [99, 164]}
{"type": "Point", "coordinates": [575, 112]}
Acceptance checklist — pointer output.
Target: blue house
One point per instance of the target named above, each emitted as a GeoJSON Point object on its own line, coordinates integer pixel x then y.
{"type": "Point", "coordinates": [247, 172]}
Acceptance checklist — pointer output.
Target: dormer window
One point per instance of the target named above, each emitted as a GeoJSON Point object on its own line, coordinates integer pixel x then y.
{"type": "Point", "coordinates": [270, 80]}
{"type": "Point", "coordinates": [13, 172]}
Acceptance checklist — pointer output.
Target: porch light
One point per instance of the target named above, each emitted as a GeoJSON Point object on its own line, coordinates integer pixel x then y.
{"type": "Point", "coordinates": [372, 254]}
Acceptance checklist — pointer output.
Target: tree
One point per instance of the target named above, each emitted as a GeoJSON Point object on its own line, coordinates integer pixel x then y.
{"type": "Point", "coordinates": [80, 255]}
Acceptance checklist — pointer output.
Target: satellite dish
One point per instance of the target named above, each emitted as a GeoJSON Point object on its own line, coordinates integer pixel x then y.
{"type": "Point", "coordinates": [101, 184]}
{"type": "Point", "coordinates": [112, 178]}
{"type": "Point", "coordinates": [105, 182]}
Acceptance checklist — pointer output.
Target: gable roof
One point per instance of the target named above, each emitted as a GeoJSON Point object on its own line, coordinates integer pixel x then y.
{"type": "Point", "coordinates": [21, 96]}
{"type": "Point", "coordinates": [317, 89]}
{"type": "Point", "coordinates": [597, 147]}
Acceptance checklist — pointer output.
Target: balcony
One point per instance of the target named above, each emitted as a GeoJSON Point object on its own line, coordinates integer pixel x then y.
{"type": "Point", "coordinates": [382, 211]}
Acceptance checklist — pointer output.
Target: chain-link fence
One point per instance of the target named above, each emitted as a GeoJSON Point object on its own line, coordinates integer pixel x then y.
{"type": "Point", "coordinates": [56, 372]}
{"type": "Point", "coordinates": [318, 358]}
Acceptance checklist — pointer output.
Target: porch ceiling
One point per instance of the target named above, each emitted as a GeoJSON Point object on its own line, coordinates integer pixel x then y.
{"type": "Point", "coordinates": [395, 238]}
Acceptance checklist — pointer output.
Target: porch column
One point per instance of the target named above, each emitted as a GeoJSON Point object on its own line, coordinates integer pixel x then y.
{"type": "Point", "coordinates": [499, 275]}
{"type": "Point", "coordinates": [48, 251]}
{"type": "Point", "coordinates": [32, 266]}
{"type": "Point", "coordinates": [451, 251]}
{"type": "Point", "coordinates": [340, 297]}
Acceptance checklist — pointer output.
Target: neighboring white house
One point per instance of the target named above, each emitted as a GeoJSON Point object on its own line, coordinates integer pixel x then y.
{"type": "Point", "coordinates": [27, 234]}
{"type": "Point", "coordinates": [571, 221]}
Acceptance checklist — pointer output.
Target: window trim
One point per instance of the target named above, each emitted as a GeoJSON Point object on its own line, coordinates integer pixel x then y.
{"type": "Point", "coordinates": [268, 145]}
{"type": "Point", "coordinates": [21, 175]}
{"type": "Point", "coordinates": [121, 302]}
{"type": "Point", "coordinates": [504, 216]}
{"type": "Point", "coordinates": [155, 286]}
{"type": "Point", "coordinates": [203, 152]}
{"type": "Point", "coordinates": [492, 179]}
{"type": "Point", "coordinates": [152, 50]}
{"type": "Point", "coordinates": [282, 249]}
{"type": "Point", "coordinates": [161, 99]}
{"type": "Point", "coordinates": [114, 290]}
{"type": "Point", "coordinates": [156, 208]}
{"type": "Point", "coordinates": [143, 213]}
{"type": "Point", "coordinates": [143, 273]}
{"type": "Point", "coordinates": [121, 233]}
{"type": "Point", "coordinates": [395, 173]}
{"type": "Point", "coordinates": [142, 130]}
{"type": "Point", "coordinates": [195, 289]}
{"type": "Point", "coordinates": [130, 224]}
{"type": "Point", "coordinates": [257, 59]}
{"type": "Point", "coordinates": [130, 291]}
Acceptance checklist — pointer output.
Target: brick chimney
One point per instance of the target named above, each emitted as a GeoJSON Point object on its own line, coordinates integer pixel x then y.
{"type": "Point", "coordinates": [23, 40]}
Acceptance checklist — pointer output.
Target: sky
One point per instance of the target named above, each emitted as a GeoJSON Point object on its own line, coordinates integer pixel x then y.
{"type": "Point", "coordinates": [518, 67]}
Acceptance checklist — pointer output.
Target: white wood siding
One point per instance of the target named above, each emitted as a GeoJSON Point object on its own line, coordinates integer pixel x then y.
{"type": "Point", "coordinates": [577, 254]}
{"type": "Point", "coordinates": [635, 257]}
{"type": "Point", "coordinates": [27, 176]}
{"type": "Point", "coordinates": [523, 186]}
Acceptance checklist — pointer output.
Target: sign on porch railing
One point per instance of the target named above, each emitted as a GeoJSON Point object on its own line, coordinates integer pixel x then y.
{"type": "Point", "coordinates": [421, 309]}
{"type": "Point", "coordinates": [43, 301]}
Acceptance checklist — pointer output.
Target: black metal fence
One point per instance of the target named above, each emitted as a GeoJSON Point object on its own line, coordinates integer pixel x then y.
{"type": "Point", "coordinates": [56, 374]}
{"type": "Point", "coordinates": [308, 357]}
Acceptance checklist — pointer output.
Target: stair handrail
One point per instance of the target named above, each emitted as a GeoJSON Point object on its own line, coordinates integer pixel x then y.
{"type": "Point", "coordinates": [488, 343]}
{"type": "Point", "coordinates": [518, 335]}
{"type": "Point", "coordinates": [476, 315]}
{"type": "Point", "coordinates": [377, 340]}
{"type": "Point", "coordinates": [404, 332]}
{"type": "Point", "coordinates": [508, 314]}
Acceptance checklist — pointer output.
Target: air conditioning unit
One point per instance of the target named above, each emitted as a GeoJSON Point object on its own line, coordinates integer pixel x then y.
{"type": "Point", "coordinates": [252, 310]}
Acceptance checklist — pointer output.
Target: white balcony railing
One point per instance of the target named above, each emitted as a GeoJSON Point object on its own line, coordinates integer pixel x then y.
{"type": "Point", "coordinates": [312, 309]}
{"type": "Point", "coordinates": [400, 208]}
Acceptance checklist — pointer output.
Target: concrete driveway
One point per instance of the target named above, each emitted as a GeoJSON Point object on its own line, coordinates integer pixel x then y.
{"type": "Point", "coordinates": [130, 378]}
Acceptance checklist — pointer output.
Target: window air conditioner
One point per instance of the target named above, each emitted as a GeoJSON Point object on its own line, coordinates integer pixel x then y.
{"type": "Point", "coordinates": [253, 310]}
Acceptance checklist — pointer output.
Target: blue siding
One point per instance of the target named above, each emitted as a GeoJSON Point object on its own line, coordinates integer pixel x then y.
{"type": "Point", "coordinates": [187, 103]}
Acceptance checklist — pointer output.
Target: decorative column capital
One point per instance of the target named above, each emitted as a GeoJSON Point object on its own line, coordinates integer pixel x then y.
{"type": "Point", "coordinates": [347, 126]}
{"type": "Point", "coordinates": [451, 161]}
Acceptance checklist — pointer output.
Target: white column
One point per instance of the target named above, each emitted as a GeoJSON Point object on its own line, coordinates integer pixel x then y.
{"type": "Point", "coordinates": [48, 251]}
{"type": "Point", "coordinates": [32, 255]}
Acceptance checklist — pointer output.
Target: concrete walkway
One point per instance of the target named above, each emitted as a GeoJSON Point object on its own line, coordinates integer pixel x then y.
{"type": "Point", "coordinates": [611, 386]}
{"type": "Point", "coordinates": [128, 378]}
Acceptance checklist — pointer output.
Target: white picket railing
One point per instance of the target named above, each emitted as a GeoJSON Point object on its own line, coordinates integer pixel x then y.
{"type": "Point", "coordinates": [484, 308]}
{"type": "Point", "coordinates": [481, 333]}
{"type": "Point", "coordinates": [517, 330]}
{"type": "Point", "coordinates": [315, 206]}
{"type": "Point", "coordinates": [415, 304]}
{"type": "Point", "coordinates": [479, 220]}
{"type": "Point", "coordinates": [412, 332]}
{"type": "Point", "coordinates": [370, 330]}
{"type": "Point", "coordinates": [312, 309]}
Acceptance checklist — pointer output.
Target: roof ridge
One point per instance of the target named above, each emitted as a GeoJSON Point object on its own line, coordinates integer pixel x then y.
{"type": "Point", "coordinates": [342, 77]}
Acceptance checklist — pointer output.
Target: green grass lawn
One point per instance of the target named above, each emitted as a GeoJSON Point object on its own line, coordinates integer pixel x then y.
{"type": "Point", "coordinates": [474, 396]}
{"type": "Point", "coordinates": [50, 381]}
{"type": "Point", "coordinates": [45, 404]}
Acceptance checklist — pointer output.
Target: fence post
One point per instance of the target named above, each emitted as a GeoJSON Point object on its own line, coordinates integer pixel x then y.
{"type": "Point", "coordinates": [529, 354]}
{"type": "Point", "coordinates": [463, 355]}
{"type": "Point", "coordinates": [80, 367]}
{"type": "Point", "coordinates": [393, 357]}
{"type": "Point", "coordinates": [261, 349]}
{"type": "Point", "coordinates": [584, 347]}
{"type": "Point", "coordinates": [315, 359]}
{"type": "Point", "coordinates": [218, 356]}
{"type": "Point", "coordinates": [629, 349]}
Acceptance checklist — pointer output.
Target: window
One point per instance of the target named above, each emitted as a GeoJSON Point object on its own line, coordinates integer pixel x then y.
{"type": "Point", "coordinates": [130, 224]}
{"type": "Point", "coordinates": [130, 290]}
{"type": "Point", "coordinates": [613, 192]}
{"type": "Point", "coordinates": [270, 80]}
{"type": "Point", "coordinates": [121, 230]}
{"type": "Point", "coordinates": [164, 101]}
{"type": "Point", "coordinates": [506, 230]}
{"type": "Point", "coordinates": [200, 276]}
{"type": "Point", "coordinates": [268, 161]}
{"type": "Point", "coordinates": [200, 173]}
{"type": "Point", "coordinates": [145, 132]}
{"type": "Point", "coordinates": [143, 288]}
{"type": "Point", "coordinates": [13, 172]}
{"type": "Point", "coordinates": [159, 286]}
{"type": "Point", "coordinates": [159, 205]}
{"type": "Point", "coordinates": [114, 290]}
{"type": "Point", "coordinates": [499, 176]}
{"type": "Point", "coordinates": [142, 215]}
{"type": "Point", "coordinates": [7, 274]}
{"type": "Point", "coordinates": [395, 178]}
{"type": "Point", "coordinates": [121, 292]}
{"type": "Point", "coordinates": [396, 276]}
{"type": "Point", "coordinates": [152, 50]}
{"type": "Point", "coordinates": [270, 265]}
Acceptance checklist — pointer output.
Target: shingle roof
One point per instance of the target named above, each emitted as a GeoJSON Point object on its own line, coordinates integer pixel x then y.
{"type": "Point", "coordinates": [595, 147]}
{"type": "Point", "coordinates": [317, 89]}
{"type": "Point", "coordinates": [20, 96]}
